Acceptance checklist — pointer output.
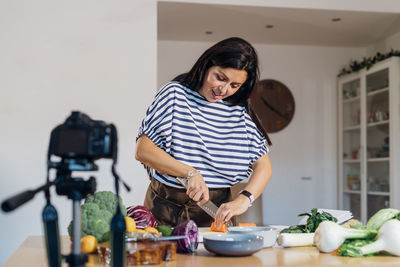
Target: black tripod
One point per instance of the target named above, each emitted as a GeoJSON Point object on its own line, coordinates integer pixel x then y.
{"type": "Point", "coordinates": [75, 189]}
{"type": "Point", "coordinates": [78, 142]}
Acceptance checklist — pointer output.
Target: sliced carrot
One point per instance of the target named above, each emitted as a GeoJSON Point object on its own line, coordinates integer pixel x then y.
{"type": "Point", "coordinates": [222, 228]}
{"type": "Point", "coordinates": [247, 224]}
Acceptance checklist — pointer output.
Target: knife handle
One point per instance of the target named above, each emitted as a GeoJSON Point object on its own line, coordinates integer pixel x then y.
{"type": "Point", "coordinates": [210, 208]}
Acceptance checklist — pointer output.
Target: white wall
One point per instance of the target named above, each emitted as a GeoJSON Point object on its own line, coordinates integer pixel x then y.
{"type": "Point", "coordinates": [307, 147]}
{"type": "Point", "coordinates": [384, 46]}
{"type": "Point", "coordinates": [95, 56]}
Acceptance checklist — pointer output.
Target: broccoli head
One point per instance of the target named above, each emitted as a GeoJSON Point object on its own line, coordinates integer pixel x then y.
{"type": "Point", "coordinates": [96, 214]}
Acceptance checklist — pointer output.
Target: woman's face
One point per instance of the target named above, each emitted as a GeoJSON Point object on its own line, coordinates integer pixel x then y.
{"type": "Point", "coordinates": [220, 83]}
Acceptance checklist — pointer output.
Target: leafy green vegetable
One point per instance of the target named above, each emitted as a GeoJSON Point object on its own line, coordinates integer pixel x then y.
{"type": "Point", "coordinates": [330, 236]}
{"type": "Point", "coordinates": [314, 219]}
{"type": "Point", "coordinates": [349, 247]}
{"type": "Point", "coordinates": [294, 229]}
{"type": "Point", "coordinates": [387, 240]}
{"type": "Point", "coordinates": [383, 215]}
{"type": "Point", "coordinates": [96, 214]}
{"type": "Point", "coordinates": [357, 240]}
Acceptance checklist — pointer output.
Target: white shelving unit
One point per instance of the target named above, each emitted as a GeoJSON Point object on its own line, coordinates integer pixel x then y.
{"type": "Point", "coordinates": [369, 139]}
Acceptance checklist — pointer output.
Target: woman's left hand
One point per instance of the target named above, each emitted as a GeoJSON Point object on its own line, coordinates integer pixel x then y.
{"type": "Point", "coordinates": [227, 210]}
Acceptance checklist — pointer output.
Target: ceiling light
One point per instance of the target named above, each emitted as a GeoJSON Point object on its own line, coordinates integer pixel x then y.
{"type": "Point", "coordinates": [269, 26]}
{"type": "Point", "coordinates": [336, 19]}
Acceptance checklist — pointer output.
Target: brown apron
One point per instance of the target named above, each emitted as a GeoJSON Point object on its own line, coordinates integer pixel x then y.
{"type": "Point", "coordinates": [171, 206]}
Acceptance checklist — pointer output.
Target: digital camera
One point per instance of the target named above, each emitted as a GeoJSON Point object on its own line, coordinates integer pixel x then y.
{"type": "Point", "coordinates": [80, 137]}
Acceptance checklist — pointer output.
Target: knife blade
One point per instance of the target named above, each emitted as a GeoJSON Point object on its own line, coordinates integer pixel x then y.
{"type": "Point", "coordinates": [209, 207]}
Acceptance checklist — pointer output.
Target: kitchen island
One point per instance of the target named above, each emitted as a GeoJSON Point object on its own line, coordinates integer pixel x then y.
{"type": "Point", "coordinates": [32, 253]}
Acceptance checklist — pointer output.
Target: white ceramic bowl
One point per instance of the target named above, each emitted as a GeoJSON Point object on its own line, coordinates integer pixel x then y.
{"type": "Point", "coordinates": [269, 234]}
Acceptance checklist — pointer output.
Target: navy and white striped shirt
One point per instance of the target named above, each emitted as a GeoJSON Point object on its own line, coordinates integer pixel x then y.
{"type": "Point", "coordinates": [218, 139]}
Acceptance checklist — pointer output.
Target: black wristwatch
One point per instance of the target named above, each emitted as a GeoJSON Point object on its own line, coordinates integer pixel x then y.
{"type": "Point", "coordinates": [247, 194]}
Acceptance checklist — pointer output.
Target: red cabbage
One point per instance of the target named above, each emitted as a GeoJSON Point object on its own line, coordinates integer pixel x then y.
{"type": "Point", "coordinates": [188, 229]}
{"type": "Point", "coordinates": [142, 216]}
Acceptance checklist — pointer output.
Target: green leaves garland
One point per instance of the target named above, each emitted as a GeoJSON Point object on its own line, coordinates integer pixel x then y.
{"type": "Point", "coordinates": [368, 62]}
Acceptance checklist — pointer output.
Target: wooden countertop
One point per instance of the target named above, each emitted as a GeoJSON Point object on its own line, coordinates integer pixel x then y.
{"type": "Point", "coordinates": [31, 253]}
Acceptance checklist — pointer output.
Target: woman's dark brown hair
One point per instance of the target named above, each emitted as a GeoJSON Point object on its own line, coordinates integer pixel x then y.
{"type": "Point", "coordinates": [233, 53]}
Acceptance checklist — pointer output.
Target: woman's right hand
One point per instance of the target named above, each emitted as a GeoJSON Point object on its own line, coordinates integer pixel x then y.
{"type": "Point", "coordinates": [197, 189]}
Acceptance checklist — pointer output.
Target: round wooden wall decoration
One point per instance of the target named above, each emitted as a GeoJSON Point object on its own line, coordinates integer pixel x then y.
{"type": "Point", "coordinates": [274, 105]}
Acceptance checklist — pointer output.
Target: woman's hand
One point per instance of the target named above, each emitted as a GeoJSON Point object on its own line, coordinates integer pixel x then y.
{"type": "Point", "coordinates": [197, 189]}
{"type": "Point", "coordinates": [227, 210]}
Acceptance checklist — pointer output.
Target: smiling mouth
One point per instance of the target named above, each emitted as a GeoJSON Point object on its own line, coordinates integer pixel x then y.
{"type": "Point", "coordinates": [215, 96]}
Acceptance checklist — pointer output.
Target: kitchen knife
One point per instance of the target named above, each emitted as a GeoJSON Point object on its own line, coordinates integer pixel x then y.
{"type": "Point", "coordinates": [210, 208]}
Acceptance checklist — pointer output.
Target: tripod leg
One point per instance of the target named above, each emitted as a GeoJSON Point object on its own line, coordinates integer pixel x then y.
{"type": "Point", "coordinates": [76, 258]}
{"type": "Point", "coordinates": [76, 227]}
{"type": "Point", "coordinates": [52, 235]}
{"type": "Point", "coordinates": [118, 253]}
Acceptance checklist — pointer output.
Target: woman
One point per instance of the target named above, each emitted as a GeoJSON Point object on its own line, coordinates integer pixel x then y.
{"type": "Point", "coordinates": [199, 128]}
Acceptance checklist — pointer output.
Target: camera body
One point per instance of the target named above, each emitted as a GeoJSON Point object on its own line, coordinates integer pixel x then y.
{"type": "Point", "coordinates": [82, 138]}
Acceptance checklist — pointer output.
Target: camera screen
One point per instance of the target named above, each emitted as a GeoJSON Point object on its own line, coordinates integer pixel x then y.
{"type": "Point", "coordinates": [73, 142]}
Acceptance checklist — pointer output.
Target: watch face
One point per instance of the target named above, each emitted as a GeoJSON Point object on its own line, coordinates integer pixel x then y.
{"type": "Point", "coordinates": [274, 105]}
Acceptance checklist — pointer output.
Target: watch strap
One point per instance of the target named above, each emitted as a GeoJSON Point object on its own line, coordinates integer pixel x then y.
{"type": "Point", "coordinates": [247, 194]}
